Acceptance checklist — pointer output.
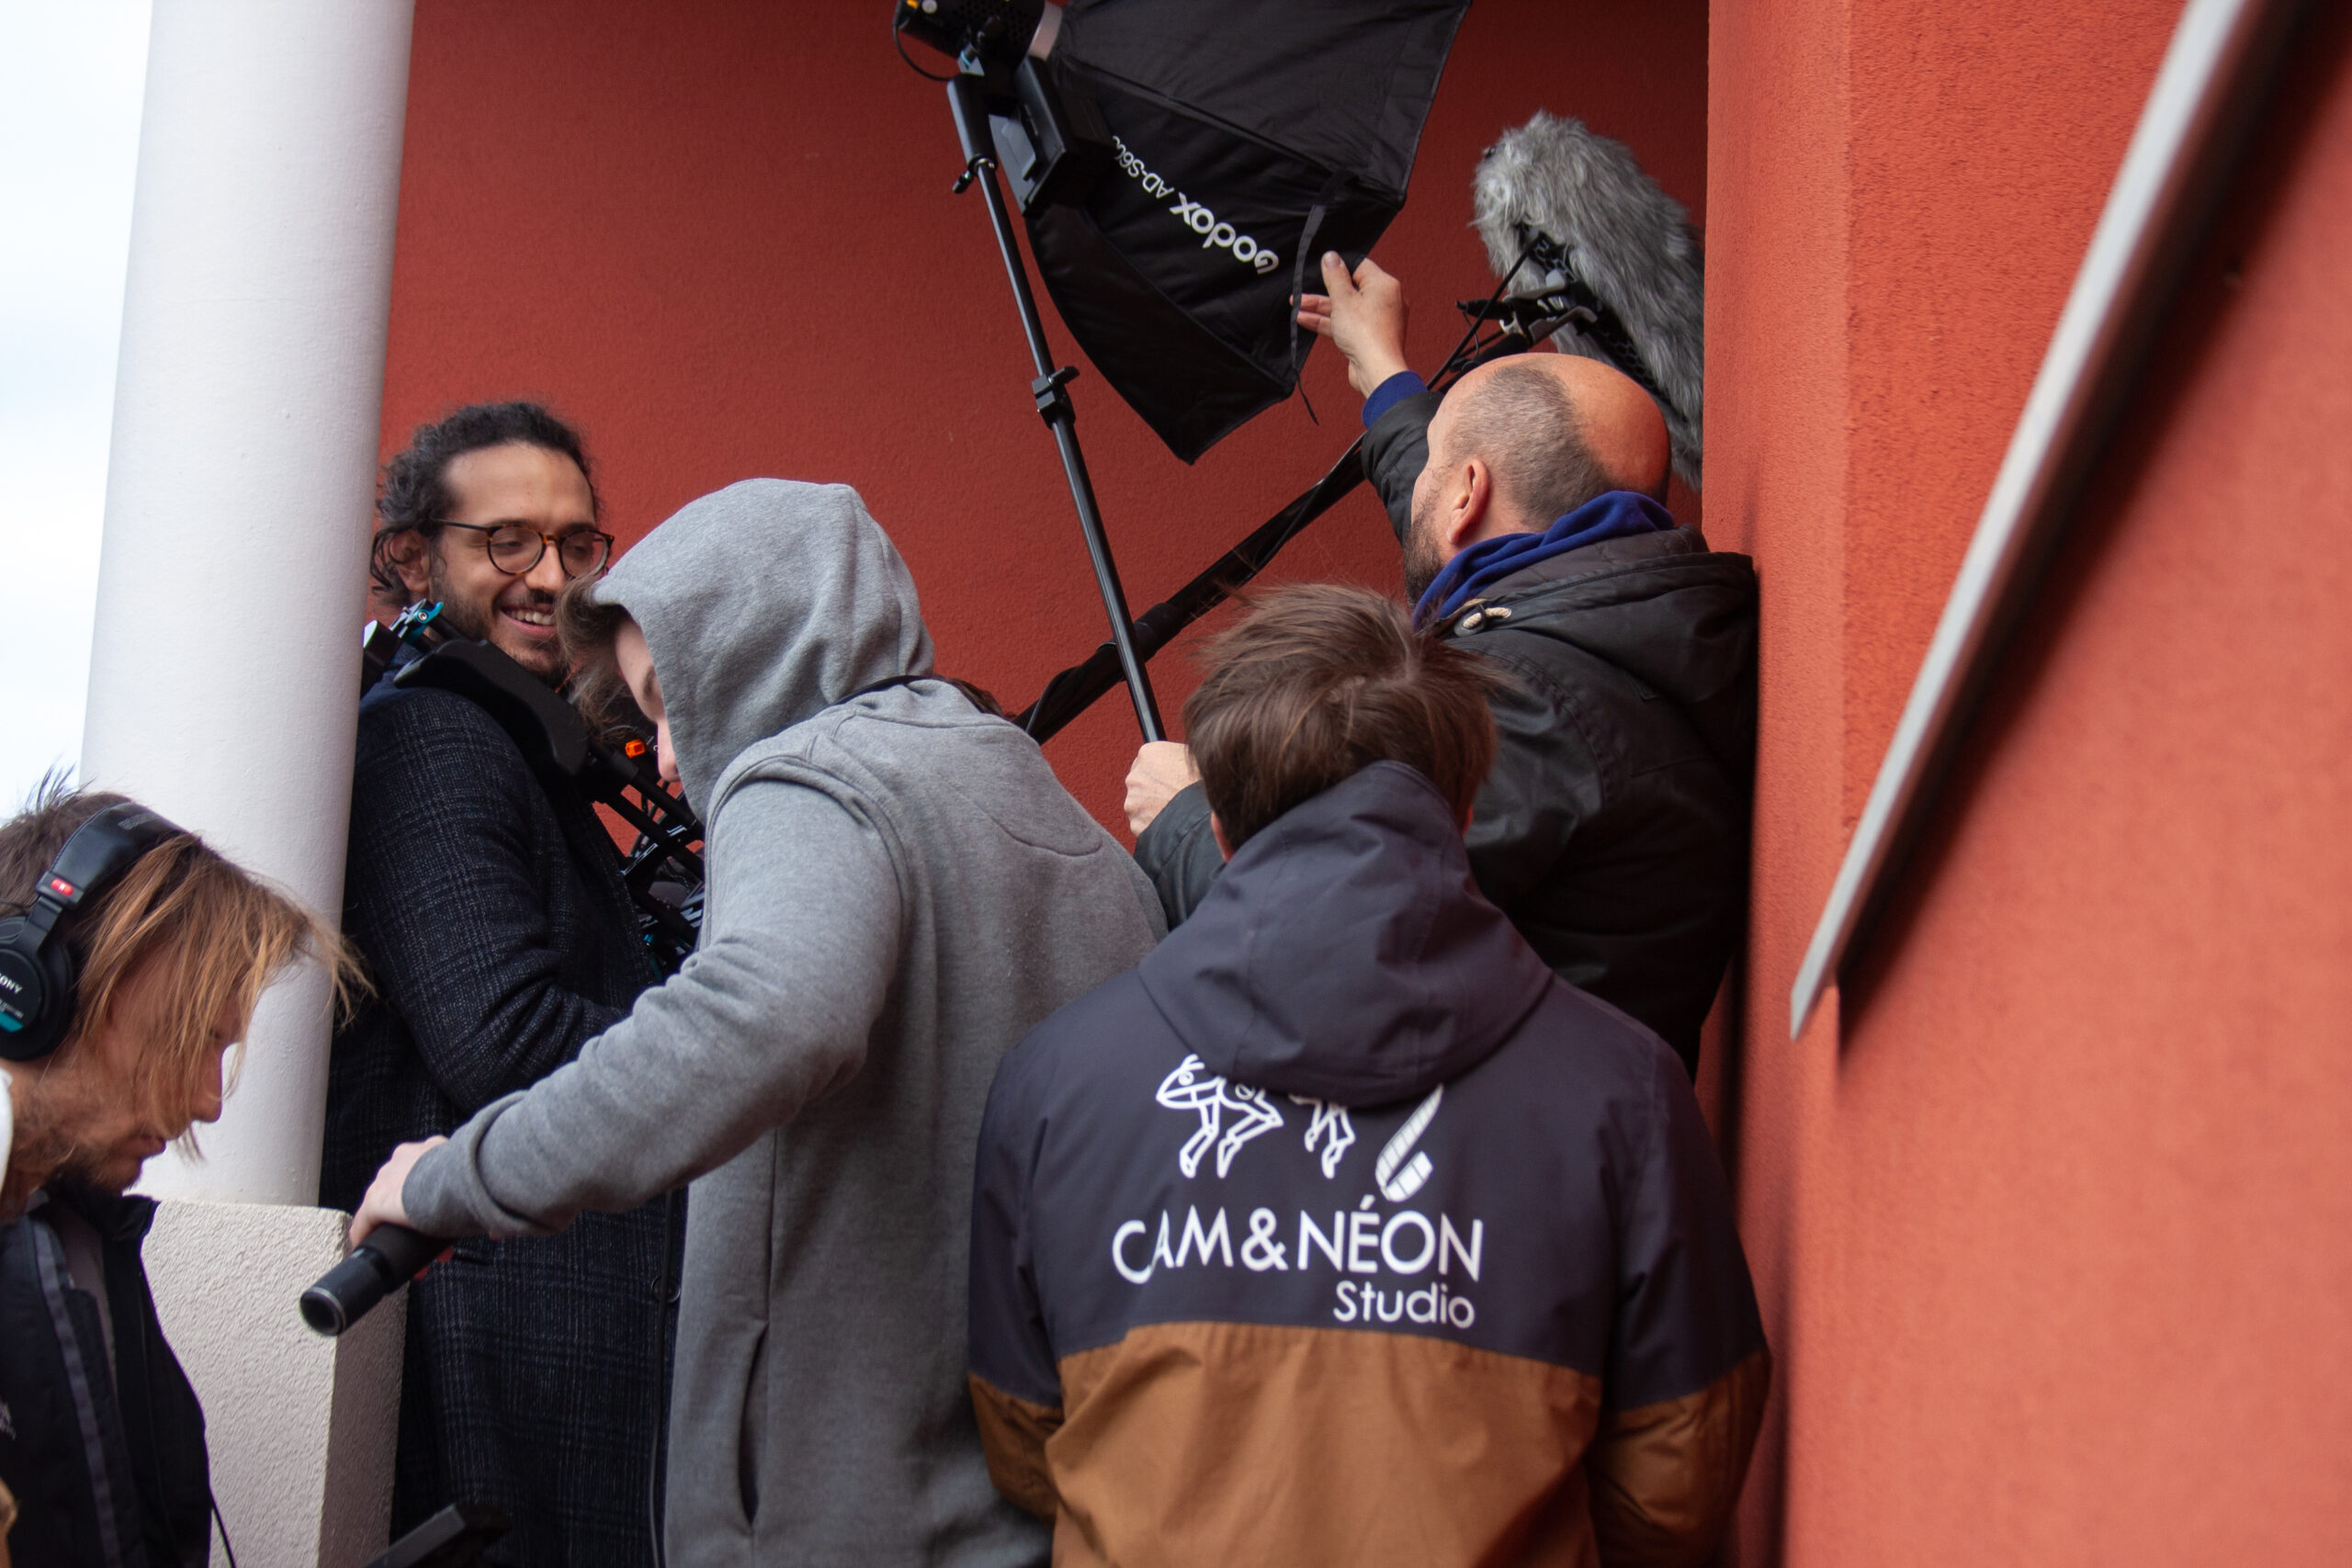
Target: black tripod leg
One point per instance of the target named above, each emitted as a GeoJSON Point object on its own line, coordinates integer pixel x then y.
{"type": "Point", "coordinates": [1051, 390]}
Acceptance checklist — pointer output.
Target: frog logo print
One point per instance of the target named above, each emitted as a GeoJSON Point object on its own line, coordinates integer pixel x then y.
{"type": "Point", "coordinates": [1193, 1088]}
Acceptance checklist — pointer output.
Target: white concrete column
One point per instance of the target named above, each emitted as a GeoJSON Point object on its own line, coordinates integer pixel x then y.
{"type": "Point", "coordinates": [225, 656]}
{"type": "Point", "coordinates": [223, 676]}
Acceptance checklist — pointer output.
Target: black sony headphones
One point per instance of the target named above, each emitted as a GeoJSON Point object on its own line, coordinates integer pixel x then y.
{"type": "Point", "coordinates": [38, 971]}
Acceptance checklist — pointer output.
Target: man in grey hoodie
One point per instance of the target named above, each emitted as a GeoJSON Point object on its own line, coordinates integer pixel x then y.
{"type": "Point", "coordinates": [898, 889]}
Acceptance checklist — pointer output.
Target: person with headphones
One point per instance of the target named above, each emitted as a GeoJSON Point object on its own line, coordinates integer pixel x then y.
{"type": "Point", "coordinates": [132, 956]}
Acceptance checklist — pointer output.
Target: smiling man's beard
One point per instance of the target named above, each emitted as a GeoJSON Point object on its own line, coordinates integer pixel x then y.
{"type": "Point", "coordinates": [457, 615]}
{"type": "Point", "coordinates": [466, 621]}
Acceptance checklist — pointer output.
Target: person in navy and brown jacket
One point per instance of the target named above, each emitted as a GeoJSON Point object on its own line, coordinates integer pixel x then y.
{"type": "Point", "coordinates": [1340, 1230]}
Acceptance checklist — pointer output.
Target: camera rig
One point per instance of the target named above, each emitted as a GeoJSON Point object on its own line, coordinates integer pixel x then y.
{"type": "Point", "coordinates": [663, 871]}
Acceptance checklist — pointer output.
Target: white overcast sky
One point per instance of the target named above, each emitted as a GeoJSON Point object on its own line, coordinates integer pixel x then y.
{"type": "Point", "coordinates": [71, 74]}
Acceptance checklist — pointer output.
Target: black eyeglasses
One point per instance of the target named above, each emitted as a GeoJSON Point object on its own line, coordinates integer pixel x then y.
{"type": "Point", "coordinates": [516, 549]}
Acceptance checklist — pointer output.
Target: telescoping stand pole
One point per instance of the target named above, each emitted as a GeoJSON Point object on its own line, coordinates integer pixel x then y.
{"type": "Point", "coordinates": [1052, 391]}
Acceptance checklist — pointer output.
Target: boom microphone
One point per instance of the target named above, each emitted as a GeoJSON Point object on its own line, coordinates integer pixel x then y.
{"type": "Point", "coordinates": [1575, 213]}
{"type": "Point", "coordinates": [388, 1258]}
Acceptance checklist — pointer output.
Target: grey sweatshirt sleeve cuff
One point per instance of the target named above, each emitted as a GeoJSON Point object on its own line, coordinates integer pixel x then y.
{"type": "Point", "coordinates": [1396, 449]}
{"type": "Point", "coordinates": [1179, 853]}
{"type": "Point", "coordinates": [445, 1195]}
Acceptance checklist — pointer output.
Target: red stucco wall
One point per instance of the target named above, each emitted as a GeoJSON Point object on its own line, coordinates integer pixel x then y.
{"type": "Point", "coordinates": [2050, 1217]}
{"type": "Point", "coordinates": [2050, 1207]}
{"type": "Point", "coordinates": [720, 236]}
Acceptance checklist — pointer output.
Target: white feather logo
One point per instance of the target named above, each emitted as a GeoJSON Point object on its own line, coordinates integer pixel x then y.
{"type": "Point", "coordinates": [1398, 1184]}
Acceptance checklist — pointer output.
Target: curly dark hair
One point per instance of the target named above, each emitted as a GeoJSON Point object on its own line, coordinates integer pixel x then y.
{"type": "Point", "coordinates": [415, 491]}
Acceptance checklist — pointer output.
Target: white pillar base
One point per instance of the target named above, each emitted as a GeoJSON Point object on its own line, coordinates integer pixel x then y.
{"type": "Point", "coordinates": [301, 1428]}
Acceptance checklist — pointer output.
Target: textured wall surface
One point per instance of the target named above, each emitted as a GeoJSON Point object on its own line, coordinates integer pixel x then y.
{"type": "Point", "coordinates": [301, 1428]}
{"type": "Point", "coordinates": [2048, 1211]}
{"type": "Point", "coordinates": [2050, 1205]}
{"type": "Point", "coordinates": [723, 239]}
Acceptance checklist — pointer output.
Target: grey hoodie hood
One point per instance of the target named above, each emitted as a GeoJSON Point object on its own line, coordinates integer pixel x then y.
{"type": "Point", "coordinates": [762, 604]}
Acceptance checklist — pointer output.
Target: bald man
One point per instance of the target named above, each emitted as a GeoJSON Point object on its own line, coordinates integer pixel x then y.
{"type": "Point", "coordinates": [1528, 502]}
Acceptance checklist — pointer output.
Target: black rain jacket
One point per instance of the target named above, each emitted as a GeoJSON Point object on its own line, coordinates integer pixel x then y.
{"type": "Point", "coordinates": [1613, 828]}
{"type": "Point", "coordinates": [106, 1460]}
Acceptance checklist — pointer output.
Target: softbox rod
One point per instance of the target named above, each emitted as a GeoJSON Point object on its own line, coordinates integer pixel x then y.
{"type": "Point", "coordinates": [1051, 390]}
{"type": "Point", "coordinates": [1073, 690]}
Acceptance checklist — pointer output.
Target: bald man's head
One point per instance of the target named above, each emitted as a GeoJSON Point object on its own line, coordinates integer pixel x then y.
{"type": "Point", "coordinates": [1557, 429]}
{"type": "Point", "coordinates": [1523, 442]}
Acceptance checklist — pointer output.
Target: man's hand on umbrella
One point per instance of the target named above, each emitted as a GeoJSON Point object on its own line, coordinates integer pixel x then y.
{"type": "Point", "coordinates": [1365, 318]}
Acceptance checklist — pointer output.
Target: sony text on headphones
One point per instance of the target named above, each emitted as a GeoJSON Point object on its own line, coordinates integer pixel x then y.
{"type": "Point", "coordinates": [38, 971]}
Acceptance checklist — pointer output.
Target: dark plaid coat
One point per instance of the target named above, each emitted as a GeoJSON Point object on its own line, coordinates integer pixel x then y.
{"type": "Point", "coordinates": [488, 906]}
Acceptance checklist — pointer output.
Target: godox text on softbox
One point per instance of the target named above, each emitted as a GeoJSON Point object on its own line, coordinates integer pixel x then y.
{"type": "Point", "coordinates": [1247, 140]}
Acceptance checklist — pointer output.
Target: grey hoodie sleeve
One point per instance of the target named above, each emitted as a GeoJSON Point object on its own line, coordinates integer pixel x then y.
{"type": "Point", "coordinates": [772, 1012]}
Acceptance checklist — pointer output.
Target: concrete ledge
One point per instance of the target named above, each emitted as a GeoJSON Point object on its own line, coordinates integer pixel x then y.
{"type": "Point", "coordinates": [301, 1428]}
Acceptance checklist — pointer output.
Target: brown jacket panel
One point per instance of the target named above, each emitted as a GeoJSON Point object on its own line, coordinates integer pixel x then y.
{"type": "Point", "coordinates": [1665, 1477]}
{"type": "Point", "coordinates": [1012, 1433]}
{"type": "Point", "coordinates": [1188, 1443]}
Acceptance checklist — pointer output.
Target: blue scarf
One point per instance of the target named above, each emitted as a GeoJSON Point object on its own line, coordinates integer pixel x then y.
{"type": "Point", "coordinates": [1609, 516]}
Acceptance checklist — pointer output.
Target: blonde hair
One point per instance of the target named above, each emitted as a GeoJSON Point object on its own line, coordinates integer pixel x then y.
{"type": "Point", "coordinates": [185, 936]}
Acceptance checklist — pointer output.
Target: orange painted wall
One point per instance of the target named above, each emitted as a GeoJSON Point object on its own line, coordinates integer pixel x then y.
{"type": "Point", "coordinates": [720, 236]}
{"type": "Point", "coordinates": [2050, 1217]}
{"type": "Point", "coordinates": [2051, 1206]}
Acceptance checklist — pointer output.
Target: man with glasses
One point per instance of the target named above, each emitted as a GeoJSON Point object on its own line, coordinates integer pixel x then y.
{"type": "Point", "coordinates": [487, 905]}
{"type": "Point", "coordinates": [490, 512]}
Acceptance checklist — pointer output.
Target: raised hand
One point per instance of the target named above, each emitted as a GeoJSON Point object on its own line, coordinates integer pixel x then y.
{"type": "Point", "coordinates": [1363, 316]}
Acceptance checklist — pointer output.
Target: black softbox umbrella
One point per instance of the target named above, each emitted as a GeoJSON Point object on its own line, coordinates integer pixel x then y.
{"type": "Point", "coordinates": [1248, 138]}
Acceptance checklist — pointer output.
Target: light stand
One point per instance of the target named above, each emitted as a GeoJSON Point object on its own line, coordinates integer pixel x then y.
{"type": "Point", "coordinates": [1051, 390]}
